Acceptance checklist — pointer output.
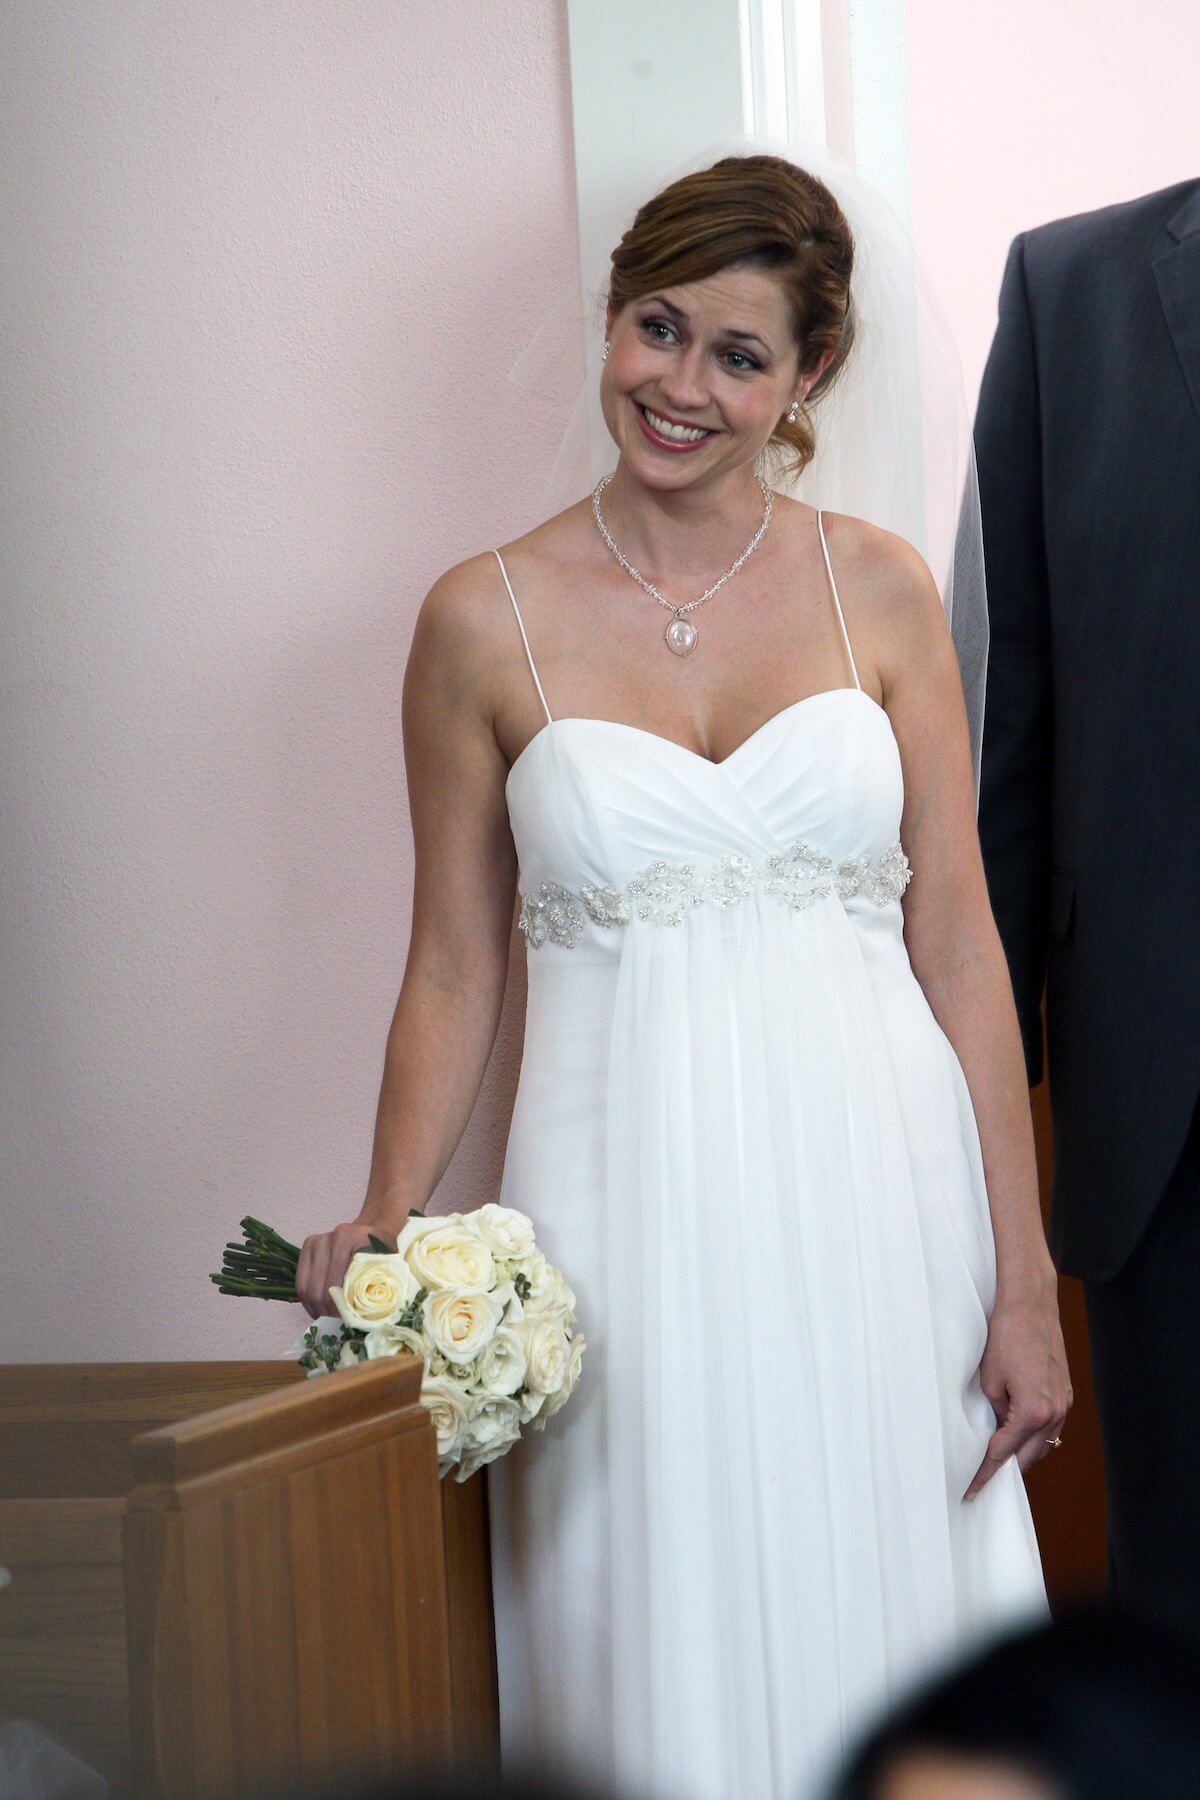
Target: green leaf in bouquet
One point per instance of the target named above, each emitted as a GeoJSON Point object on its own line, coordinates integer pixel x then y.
{"type": "Point", "coordinates": [378, 1245]}
{"type": "Point", "coordinates": [413, 1315]}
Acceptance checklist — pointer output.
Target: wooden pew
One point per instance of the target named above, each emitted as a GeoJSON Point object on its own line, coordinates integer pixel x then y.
{"type": "Point", "coordinates": [322, 1499]}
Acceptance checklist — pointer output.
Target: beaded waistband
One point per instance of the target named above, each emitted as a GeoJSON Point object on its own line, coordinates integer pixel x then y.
{"type": "Point", "coordinates": [664, 892]}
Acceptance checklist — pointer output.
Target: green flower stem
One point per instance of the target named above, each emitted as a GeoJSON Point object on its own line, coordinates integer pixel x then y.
{"type": "Point", "coordinates": [262, 1265]}
{"type": "Point", "coordinates": [254, 1228]}
{"type": "Point", "coordinates": [257, 1290]}
{"type": "Point", "coordinates": [255, 1259]}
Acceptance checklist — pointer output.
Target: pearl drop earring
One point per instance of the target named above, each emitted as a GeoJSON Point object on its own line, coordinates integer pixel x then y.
{"type": "Point", "coordinates": [605, 350]}
{"type": "Point", "coordinates": [793, 409]}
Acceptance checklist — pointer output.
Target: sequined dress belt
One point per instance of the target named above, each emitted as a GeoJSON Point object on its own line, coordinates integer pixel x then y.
{"type": "Point", "coordinates": [664, 891]}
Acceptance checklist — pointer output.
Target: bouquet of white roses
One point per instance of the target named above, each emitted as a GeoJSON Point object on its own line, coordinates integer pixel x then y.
{"type": "Point", "coordinates": [471, 1294]}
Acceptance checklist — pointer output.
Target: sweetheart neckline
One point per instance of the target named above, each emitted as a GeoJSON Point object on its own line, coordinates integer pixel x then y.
{"type": "Point", "coordinates": [685, 749]}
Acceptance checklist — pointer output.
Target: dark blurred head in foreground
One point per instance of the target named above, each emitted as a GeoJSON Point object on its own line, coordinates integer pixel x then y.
{"type": "Point", "coordinates": [1099, 1704]}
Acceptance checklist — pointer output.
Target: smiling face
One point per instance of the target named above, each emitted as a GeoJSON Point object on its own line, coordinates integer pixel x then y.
{"type": "Point", "coordinates": [697, 376]}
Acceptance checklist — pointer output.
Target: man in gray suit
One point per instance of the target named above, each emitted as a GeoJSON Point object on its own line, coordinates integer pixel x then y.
{"type": "Point", "coordinates": [1088, 440]}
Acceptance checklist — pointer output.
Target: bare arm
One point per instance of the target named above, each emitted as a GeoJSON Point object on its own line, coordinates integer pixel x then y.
{"type": "Point", "coordinates": [952, 940]}
{"type": "Point", "coordinates": [958, 958]}
{"type": "Point", "coordinates": [445, 1021]}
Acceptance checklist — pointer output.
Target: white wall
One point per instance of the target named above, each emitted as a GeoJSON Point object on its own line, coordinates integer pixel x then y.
{"type": "Point", "coordinates": [266, 266]}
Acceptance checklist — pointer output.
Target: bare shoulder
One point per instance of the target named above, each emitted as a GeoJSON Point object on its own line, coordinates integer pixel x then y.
{"type": "Point", "coordinates": [460, 624]}
{"type": "Point", "coordinates": [461, 604]}
{"type": "Point", "coordinates": [457, 642]}
{"type": "Point", "coordinates": [465, 641]}
{"type": "Point", "coordinates": [896, 611]}
{"type": "Point", "coordinates": [884, 575]}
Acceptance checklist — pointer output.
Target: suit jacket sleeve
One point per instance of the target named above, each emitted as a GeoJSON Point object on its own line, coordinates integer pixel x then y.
{"type": "Point", "coordinates": [1015, 779]}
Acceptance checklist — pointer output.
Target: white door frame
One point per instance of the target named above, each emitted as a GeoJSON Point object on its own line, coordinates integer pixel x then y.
{"type": "Point", "coordinates": [652, 80]}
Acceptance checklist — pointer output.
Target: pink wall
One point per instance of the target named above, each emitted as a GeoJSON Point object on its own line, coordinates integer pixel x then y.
{"type": "Point", "coordinates": [266, 269]}
{"type": "Point", "coordinates": [1028, 110]}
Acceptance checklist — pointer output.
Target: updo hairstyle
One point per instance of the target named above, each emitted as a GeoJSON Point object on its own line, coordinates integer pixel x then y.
{"type": "Point", "coordinates": [763, 212]}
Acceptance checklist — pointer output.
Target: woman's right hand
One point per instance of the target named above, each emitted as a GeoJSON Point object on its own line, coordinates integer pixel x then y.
{"type": "Point", "coordinates": [325, 1257]}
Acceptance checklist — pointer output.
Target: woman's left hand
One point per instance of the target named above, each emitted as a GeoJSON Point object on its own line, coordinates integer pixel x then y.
{"type": "Point", "coordinates": [1024, 1374]}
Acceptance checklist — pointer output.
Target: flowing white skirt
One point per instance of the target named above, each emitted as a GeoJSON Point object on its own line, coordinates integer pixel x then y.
{"type": "Point", "coordinates": [751, 1148]}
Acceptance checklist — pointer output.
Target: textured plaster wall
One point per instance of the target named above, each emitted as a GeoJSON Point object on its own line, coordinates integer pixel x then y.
{"type": "Point", "coordinates": [1020, 112]}
{"type": "Point", "coordinates": [266, 269]}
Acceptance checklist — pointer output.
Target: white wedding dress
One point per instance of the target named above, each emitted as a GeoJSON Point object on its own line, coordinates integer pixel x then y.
{"type": "Point", "coordinates": [743, 1136]}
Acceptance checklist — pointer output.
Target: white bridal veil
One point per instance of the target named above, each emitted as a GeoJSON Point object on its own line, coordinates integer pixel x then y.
{"type": "Point", "coordinates": [893, 437]}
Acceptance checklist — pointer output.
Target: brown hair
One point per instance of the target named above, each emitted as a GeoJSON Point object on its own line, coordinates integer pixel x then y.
{"type": "Point", "coordinates": [765, 212]}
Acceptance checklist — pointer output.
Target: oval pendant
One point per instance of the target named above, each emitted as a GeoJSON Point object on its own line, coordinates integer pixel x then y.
{"type": "Point", "coordinates": [680, 636]}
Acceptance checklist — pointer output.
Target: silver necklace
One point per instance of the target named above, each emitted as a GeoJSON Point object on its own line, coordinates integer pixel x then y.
{"type": "Point", "coordinates": [680, 634]}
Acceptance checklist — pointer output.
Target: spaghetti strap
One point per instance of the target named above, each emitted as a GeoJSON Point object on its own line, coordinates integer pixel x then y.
{"type": "Point", "coordinates": [836, 600]}
{"type": "Point", "coordinates": [524, 638]}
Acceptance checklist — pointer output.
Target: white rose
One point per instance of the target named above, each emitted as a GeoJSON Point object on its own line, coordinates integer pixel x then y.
{"type": "Point", "coordinates": [556, 1301]}
{"type": "Point", "coordinates": [504, 1230]}
{"type": "Point", "coordinates": [502, 1364]}
{"type": "Point", "coordinates": [530, 1403]}
{"type": "Point", "coordinates": [547, 1351]}
{"type": "Point", "coordinates": [570, 1381]}
{"type": "Point", "coordinates": [394, 1340]}
{"type": "Point", "coordinates": [448, 1408]}
{"type": "Point", "coordinates": [460, 1324]}
{"type": "Point", "coordinates": [541, 1276]}
{"type": "Point", "coordinates": [378, 1286]}
{"type": "Point", "coordinates": [509, 1301]}
{"type": "Point", "coordinates": [447, 1253]}
{"type": "Point", "coordinates": [549, 1296]}
{"type": "Point", "coordinates": [419, 1225]}
{"type": "Point", "coordinates": [494, 1425]}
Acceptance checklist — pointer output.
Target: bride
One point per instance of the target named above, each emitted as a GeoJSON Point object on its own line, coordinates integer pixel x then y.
{"type": "Point", "coordinates": [712, 740]}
